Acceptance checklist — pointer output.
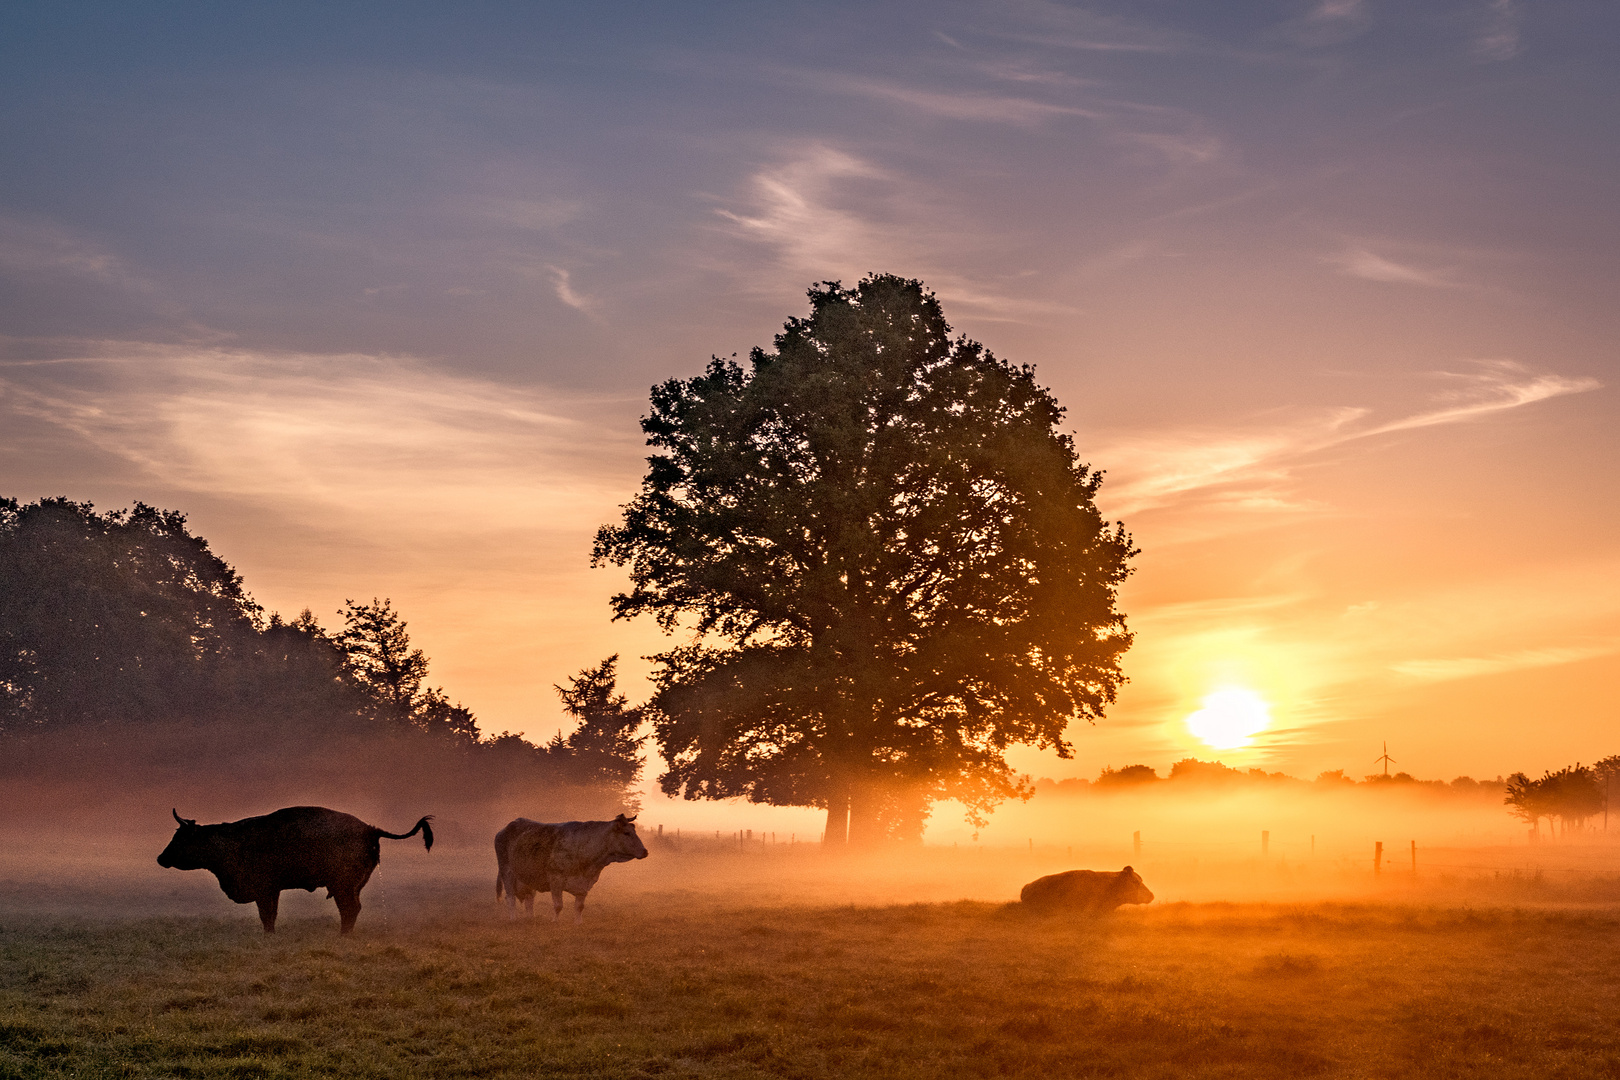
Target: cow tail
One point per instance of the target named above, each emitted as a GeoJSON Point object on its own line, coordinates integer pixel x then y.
{"type": "Point", "coordinates": [421, 827]}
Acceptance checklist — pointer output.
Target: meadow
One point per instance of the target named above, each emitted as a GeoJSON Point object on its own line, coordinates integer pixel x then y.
{"type": "Point", "coordinates": [791, 967]}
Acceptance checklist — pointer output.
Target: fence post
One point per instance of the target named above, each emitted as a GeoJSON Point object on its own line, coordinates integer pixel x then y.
{"type": "Point", "coordinates": [1378, 857]}
{"type": "Point", "coordinates": [1265, 841]}
{"type": "Point", "coordinates": [1414, 858]}
{"type": "Point", "coordinates": [1136, 843]}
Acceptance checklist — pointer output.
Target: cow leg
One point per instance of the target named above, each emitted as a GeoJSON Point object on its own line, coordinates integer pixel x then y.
{"type": "Point", "coordinates": [528, 905]}
{"type": "Point", "coordinates": [579, 908]}
{"type": "Point", "coordinates": [348, 904]}
{"type": "Point", "coordinates": [267, 911]}
{"type": "Point", "coordinates": [556, 904]}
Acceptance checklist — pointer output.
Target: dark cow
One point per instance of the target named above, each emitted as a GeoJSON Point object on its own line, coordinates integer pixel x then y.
{"type": "Point", "coordinates": [301, 847]}
{"type": "Point", "coordinates": [536, 857]}
{"type": "Point", "coordinates": [1092, 892]}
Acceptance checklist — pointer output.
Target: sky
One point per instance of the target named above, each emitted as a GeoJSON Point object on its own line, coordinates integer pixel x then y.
{"type": "Point", "coordinates": [374, 293]}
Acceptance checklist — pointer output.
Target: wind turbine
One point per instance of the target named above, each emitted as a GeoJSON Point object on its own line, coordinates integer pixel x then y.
{"type": "Point", "coordinates": [1385, 758]}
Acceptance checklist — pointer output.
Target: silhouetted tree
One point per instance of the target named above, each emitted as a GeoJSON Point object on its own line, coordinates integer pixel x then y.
{"type": "Point", "coordinates": [123, 616]}
{"type": "Point", "coordinates": [1571, 796]}
{"type": "Point", "coordinates": [892, 561]}
{"type": "Point", "coordinates": [605, 749]}
{"type": "Point", "coordinates": [1608, 775]}
{"type": "Point", "coordinates": [1129, 776]}
{"type": "Point", "coordinates": [379, 659]}
{"type": "Point", "coordinates": [1204, 771]}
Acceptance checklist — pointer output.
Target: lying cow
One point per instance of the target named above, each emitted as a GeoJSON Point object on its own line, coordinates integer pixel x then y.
{"type": "Point", "coordinates": [537, 857]}
{"type": "Point", "coordinates": [301, 847]}
{"type": "Point", "coordinates": [1092, 892]}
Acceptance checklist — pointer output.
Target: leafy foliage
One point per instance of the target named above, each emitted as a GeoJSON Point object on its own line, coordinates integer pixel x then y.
{"type": "Point", "coordinates": [891, 560]}
{"type": "Point", "coordinates": [116, 627]}
{"type": "Point", "coordinates": [1570, 796]}
{"type": "Point", "coordinates": [605, 749]}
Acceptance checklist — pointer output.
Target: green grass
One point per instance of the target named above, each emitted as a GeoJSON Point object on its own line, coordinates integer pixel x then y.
{"type": "Point", "coordinates": [686, 986]}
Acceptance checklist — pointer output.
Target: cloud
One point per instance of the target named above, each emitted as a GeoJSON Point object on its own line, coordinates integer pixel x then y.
{"type": "Point", "coordinates": [824, 213]}
{"type": "Point", "coordinates": [1061, 26]}
{"type": "Point", "coordinates": [1498, 36]}
{"type": "Point", "coordinates": [1497, 385]}
{"type": "Point", "coordinates": [1469, 667]}
{"type": "Point", "coordinates": [562, 283]}
{"type": "Point", "coordinates": [979, 107]}
{"type": "Point", "coordinates": [34, 247]}
{"type": "Point", "coordinates": [1252, 469]}
{"type": "Point", "coordinates": [360, 438]}
{"type": "Point", "coordinates": [538, 215]}
{"type": "Point", "coordinates": [793, 210]}
{"type": "Point", "coordinates": [1182, 149]}
{"type": "Point", "coordinates": [1361, 263]}
{"type": "Point", "coordinates": [1330, 22]}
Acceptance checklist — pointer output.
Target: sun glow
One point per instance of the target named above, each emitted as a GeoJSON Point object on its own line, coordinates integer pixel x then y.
{"type": "Point", "coordinates": [1230, 718]}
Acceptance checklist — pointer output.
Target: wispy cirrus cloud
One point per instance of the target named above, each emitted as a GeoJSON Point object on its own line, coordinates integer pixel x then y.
{"type": "Point", "coordinates": [1498, 36]}
{"type": "Point", "coordinates": [353, 436]}
{"type": "Point", "coordinates": [1252, 467]}
{"type": "Point", "coordinates": [31, 246]}
{"type": "Point", "coordinates": [1362, 263]}
{"type": "Point", "coordinates": [562, 283]}
{"type": "Point", "coordinates": [964, 105]}
{"type": "Point", "coordinates": [1062, 26]}
{"type": "Point", "coordinates": [823, 212]}
{"type": "Point", "coordinates": [1470, 667]}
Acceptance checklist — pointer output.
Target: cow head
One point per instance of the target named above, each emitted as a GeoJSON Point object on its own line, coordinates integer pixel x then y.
{"type": "Point", "coordinates": [189, 849]}
{"type": "Point", "coordinates": [623, 843]}
{"type": "Point", "coordinates": [1130, 889]}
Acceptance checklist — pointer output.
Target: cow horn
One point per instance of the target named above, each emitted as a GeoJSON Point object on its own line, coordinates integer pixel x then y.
{"type": "Point", "coordinates": [177, 816]}
{"type": "Point", "coordinates": [632, 817]}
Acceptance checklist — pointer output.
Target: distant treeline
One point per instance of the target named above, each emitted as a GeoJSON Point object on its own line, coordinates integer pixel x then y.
{"type": "Point", "coordinates": [1568, 799]}
{"type": "Point", "coordinates": [123, 638]}
{"type": "Point", "coordinates": [1190, 772]}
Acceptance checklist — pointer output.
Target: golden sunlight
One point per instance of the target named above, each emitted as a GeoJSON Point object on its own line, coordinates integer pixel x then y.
{"type": "Point", "coordinates": [1231, 716]}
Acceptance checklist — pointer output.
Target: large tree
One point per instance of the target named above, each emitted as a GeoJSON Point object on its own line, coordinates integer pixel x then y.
{"type": "Point", "coordinates": [113, 617]}
{"type": "Point", "coordinates": [889, 558]}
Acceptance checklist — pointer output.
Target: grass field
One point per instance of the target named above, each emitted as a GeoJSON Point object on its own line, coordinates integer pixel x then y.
{"type": "Point", "coordinates": [670, 982]}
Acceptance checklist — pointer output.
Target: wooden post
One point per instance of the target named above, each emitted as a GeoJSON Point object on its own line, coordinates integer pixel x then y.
{"type": "Point", "coordinates": [660, 832]}
{"type": "Point", "coordinates": [1414, 858]}
{"type": "Point", "coordinates": [1378, 857]}
{"type": "Point", "coordinates": [1136, 843]}
{"type": "Point", "coordinates": [1265, 841]}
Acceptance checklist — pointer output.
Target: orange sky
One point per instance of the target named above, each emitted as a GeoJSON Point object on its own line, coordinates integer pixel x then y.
{"type": "Point", "coordinates": [1327, 289]}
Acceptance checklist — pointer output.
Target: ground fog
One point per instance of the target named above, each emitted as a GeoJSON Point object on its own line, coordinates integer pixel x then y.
{"type": "Point", "coordinates": [729, 956]}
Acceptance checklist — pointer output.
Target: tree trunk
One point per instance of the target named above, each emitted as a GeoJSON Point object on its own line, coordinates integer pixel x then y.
{"type": "Point", "coordinates": [865, 816]}
{"type": "Point", "coordinates": [837, 834]}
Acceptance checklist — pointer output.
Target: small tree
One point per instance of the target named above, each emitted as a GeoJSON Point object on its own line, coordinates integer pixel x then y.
{"type": "Point", "coordinates": [380, 661]}
{"type": "Point", "coordinates": [892, 561]}
{"type": "Point", "coordinates": [1570, 797]}
{"type": "Point", "coordinates": [605, 749]}
{"type": "Point", "coordinates": [1608, 773]}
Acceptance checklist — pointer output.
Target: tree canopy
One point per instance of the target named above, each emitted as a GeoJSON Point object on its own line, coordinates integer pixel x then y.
{"type": "Point", "coordinates": [124, 631]}
{"type": "Point", "coordinates": [891, 562]}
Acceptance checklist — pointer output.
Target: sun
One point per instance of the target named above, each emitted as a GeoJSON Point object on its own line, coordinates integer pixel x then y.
{"type": "Point", "coordinates": [1231, 716]}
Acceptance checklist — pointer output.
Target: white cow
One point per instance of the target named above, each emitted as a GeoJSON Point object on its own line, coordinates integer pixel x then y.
{"type": "Point", "coordinates": [536, 857]}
